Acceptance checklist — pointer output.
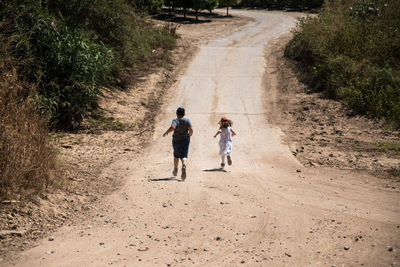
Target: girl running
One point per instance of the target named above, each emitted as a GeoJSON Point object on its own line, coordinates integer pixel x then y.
{"type": "Point", "coordinates": [225, 142]}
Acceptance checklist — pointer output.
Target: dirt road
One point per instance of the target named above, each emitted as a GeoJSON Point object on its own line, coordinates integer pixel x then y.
{"type": "Point", "coordinates": [264, 210]}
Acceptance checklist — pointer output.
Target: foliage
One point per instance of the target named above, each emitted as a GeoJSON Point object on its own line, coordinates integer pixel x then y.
{"type": "Point", "coordinates": [197, 4]}
{"type": "Point", "coordinates": [184, 4]}
{"type": "Point", "coordinates": [55, 57]}
{"type": "Point", "coordinates": [77, 46]}
{"type": "Point", "coordinates": [351, 51]}
{"type": "Point", "coordinates": [150, 6]}
{"type": "Point", "coordinates": [210, 4]}
{"type": "Point", "coordinates": [228, 3]}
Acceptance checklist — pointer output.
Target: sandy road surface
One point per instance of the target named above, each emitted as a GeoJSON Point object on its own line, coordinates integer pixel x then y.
{"type": "Point", "coordinates": [259, 212]}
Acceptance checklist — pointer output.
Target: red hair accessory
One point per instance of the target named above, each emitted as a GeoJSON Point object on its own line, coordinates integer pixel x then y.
{"type": "Point", "coordinates": [224, 119]}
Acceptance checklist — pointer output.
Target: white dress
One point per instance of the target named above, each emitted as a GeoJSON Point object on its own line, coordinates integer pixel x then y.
{"type": "Point", "coordinates": [225, 143]}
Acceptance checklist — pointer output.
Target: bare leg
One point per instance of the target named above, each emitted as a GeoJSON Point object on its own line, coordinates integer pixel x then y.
{"type": "Point", "coordinates": [229, 159]}
{"type": "Point", "coordinates": [175, 171]}
{"type": "Point", "coordinates": [176, 162]}
{"type": "Point", "coordinates": [183, 176]}
{"type": "Point", "coordinates": [183, 161]}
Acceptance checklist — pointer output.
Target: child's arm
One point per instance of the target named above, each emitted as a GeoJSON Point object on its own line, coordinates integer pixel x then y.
{"type": "Point", "coordinates": [219, 131]}
{"type": "Point", "coordinates": [170, 129]}
{"type": "Point", "coordinates": [233, 132]}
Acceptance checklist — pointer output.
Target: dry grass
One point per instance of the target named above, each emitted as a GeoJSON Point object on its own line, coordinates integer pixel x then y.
{"type": "Point", "coordinates": [27, 161]}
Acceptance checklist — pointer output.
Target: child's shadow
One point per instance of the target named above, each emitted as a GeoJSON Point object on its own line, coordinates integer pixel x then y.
{"type": "Point", "coordinates": [215, 170]}
{"type": "Point", "coordinates": [164, 179]}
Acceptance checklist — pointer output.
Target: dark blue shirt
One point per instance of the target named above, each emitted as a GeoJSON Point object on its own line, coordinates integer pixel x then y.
{"type": "Point", "coordinates": [182, 126]}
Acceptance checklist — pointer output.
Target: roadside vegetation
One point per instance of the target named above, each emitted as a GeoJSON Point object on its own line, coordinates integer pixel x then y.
{"type": "Point", "coordinates": [56, 56]}
{"type": "Point", "coordinates": [75, 47]}
{"type": "Point", "coordinates": [26, 159]}
{"type": "Point", "coordinates": [351, 51]}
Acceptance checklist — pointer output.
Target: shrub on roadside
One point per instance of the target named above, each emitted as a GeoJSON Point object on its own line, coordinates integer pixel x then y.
{"type": "Point", "coordinates": [54, 58]}
{"type": "Point", "coordinates": [78, 46]}
{"type": "Point", "coordinates": [351, 51]}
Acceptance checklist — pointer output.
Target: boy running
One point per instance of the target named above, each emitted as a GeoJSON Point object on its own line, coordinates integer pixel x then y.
{"type": "Point", "coordinates": [182, 128]}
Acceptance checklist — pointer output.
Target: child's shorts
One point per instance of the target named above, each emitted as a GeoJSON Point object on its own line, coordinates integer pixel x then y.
{"type": "Point", "coordinates": [181, 147]}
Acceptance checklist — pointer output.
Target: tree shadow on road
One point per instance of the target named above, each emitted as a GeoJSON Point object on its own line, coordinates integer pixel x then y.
{"type": "Point", "coordinates": [177, 16]}
{"type": "Point", "coordinates": [180, 20]}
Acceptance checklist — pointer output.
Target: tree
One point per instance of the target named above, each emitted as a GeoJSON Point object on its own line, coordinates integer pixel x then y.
{"type": "Point", "coordinates": [150, 6]}
{"type": "Point", "coordinates": [228, 3]}
{"type": "Point", "coordinates": [184, 4]}
{"type": "Point", "coordinates": [197, 5]}
{"type": "Point", "coordinates": [210, 4]}
{"type": "Point", "coordinates": [170, 5]}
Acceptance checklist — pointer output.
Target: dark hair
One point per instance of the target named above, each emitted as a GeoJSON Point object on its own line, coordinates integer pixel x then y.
{"type": "Point", "coordinates": [180, 112]}
{"type": "Point", "coordinates": [225, 123]}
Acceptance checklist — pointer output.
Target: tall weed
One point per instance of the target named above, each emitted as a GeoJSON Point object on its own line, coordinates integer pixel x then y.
{"type": "Point", "coordinates": [27, 161]}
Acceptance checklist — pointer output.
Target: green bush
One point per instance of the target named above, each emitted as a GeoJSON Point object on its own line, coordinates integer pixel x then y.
{"type": "Point", "coordinates": [351, 52]}
{"type": "Point", "coordinates": [150, 6]}
{"type": "Point", "coordinates": [377, 95]}
{"type": "Point", "coordinates": [67, 64]}
{"type": "Point", "coordinates": [75, 67]}
{"type": "Point", "coordinates": [77, 46]}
